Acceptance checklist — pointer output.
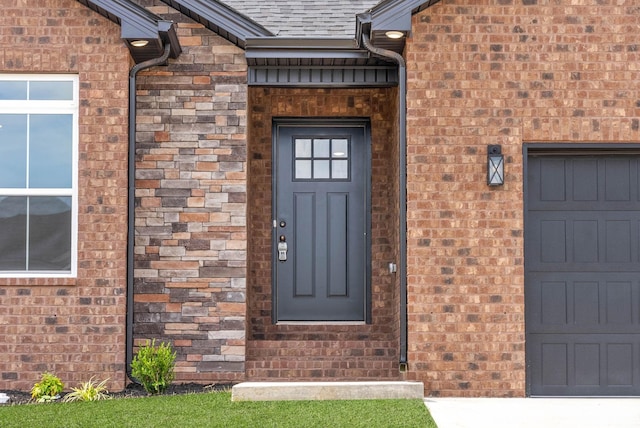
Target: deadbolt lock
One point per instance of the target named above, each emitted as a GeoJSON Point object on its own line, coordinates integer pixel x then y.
{"type": "Point", "coordinates": [282, 251]}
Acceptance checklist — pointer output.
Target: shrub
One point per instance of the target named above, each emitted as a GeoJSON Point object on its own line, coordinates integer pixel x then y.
{"type": "Point", "coordinates": [88, 391]}
{"type": "Point", "coordinates": [48, 389]}
{"type": "Point", "coordinates": [153, 367]}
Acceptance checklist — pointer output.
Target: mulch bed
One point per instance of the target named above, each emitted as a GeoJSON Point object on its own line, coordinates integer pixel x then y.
{"type": "Point", "coordinates": [133, 390]}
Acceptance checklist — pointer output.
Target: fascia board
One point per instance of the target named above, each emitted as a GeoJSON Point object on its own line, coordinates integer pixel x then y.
{"type": "Point", "coordinates": [134, 20]}
{"type": "Point", "coordinates": [260, 48]}
{"type": "Point", "coordinates": [298, 43]}
{"type": "Point", "coordinates": [315, 54]}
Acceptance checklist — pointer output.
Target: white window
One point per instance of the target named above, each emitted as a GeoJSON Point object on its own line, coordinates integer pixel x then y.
{"type": "Point", "coordinates": [38, 175]}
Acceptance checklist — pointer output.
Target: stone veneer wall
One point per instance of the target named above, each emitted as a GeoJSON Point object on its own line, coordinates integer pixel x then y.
{"type": "Point", "coordinates": [191, 237]}
{"type": "Point", "coordinates": [500, 72]}
{"type": "Point", "coordinates": [329, 352]}
{"type": "Point", "coordinates": [74, 327]}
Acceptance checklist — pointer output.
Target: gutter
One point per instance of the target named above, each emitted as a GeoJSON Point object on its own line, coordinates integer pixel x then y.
{"type": "Point", "coordinates": [402, 187]}
{"type": "Point", "coordinates": [131, 198]}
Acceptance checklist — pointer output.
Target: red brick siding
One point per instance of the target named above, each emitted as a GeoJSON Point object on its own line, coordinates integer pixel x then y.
{"type": "Point", "coordinates": [503, 72]}
{"type": "Point", "coordinates": [74, 327]}
{"type": "Point", "coordinates": [322, 351]}
{"type": "Point", "coordinates": [191, 205]}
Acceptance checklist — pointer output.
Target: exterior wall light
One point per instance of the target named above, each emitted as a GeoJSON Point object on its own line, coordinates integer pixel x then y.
{"type": "Point", "coordinates": [394, 34]}
{"type": "Point", "coordinates": [139, 43]}
{"type": "Point", "coordinates": [495, 166]}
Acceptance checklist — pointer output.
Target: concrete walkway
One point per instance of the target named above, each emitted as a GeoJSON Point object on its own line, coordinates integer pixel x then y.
{"type": "Point", "coordinates": [535, 412]}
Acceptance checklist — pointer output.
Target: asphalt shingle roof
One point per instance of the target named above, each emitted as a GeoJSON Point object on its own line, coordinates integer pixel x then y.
{"type": "Point", "coordinates": [304, 18]}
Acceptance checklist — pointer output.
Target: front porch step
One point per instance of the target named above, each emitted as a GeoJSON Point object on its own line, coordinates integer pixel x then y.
{"type": "Point", "coordinates": [287, 391]}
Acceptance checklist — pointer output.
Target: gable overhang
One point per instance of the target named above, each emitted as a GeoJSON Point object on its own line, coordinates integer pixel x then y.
{"type": "Point", "coordinates": [390, 15]}
{"type": "Point", "coordinates": [331, 62]}
{"type": "Point", "coordinates": [138, 24]}
{"type": "Point", "coordinates": [221, 19]}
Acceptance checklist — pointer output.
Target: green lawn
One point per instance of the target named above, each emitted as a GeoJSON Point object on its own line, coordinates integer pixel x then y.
{"type": "Point", "coordinates": [217, 410]}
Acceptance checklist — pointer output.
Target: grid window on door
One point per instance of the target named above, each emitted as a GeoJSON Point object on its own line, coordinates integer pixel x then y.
{"type": "Point", "coordinates": [321, 159]}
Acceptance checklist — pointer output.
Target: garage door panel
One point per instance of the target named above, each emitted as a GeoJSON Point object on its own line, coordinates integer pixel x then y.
{"type": "Point", "coordinates": [618, 184]}
{"type": "Point", "coordinates": [555, 309]}
{"type": "Point", "coordinates": [553, 180]}
{"type": "Point", "coordinates": [620, 358]}
{"type": "Point", "coordinates": [553, 241]}
{"type": "Point", "coordinates": [618, 241]}
{"type": "Point", "coordinates": [585, 241]}
{"type": "Point", "coordinates": [585, 180]}
{"type": "Point", "coordinates": [583, 183]}
{"type": "Point", "coordinates": [599, 240]}
{"type": "Point", "coordinates": [582, 281]}
{"type": "Point", "coordinates": [619, 303]}
{"type": "Point", "coordinates": [555, 364]}
{"type": "Point", "coordinates": [583, 303]}
{"type": "Point", "coordinates": [587, 364]}
{"type": "Point", "coordinates": [586, 303]}
{"type": "Point", "coordinates": [584, 364]}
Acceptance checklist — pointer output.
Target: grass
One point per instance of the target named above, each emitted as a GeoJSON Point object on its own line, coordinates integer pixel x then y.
{"type": "Point", "coordinates": [217, 410]}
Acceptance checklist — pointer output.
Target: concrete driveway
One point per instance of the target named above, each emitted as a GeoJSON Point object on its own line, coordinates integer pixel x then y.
{"type": "Point", "coordinates": [535, 412]}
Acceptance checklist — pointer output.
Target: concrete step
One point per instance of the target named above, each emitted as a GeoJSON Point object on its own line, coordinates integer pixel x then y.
{"type": "Point", "coordinates": [286, 391]}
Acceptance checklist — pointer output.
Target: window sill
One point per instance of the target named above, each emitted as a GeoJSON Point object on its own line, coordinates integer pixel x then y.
{"type": "Point", "coordinates": [321, 323]}
{"type": "Point", "coordinates": [28, 282]}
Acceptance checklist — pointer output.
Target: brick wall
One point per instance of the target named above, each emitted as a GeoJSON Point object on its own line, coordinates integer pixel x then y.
{"type": "Point", "coordinates": [393, 221]}
{"type": "Point", "coordinates": [190, 254]}
{"type": "Point", "coordinates": [74, 327]}
{"type": "Point", "coordinates": [322, 351]}
{"type": "Point", "coordinates": [503, 72]}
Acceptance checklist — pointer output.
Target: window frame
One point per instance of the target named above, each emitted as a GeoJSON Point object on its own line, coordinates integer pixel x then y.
{"type": "Point", "coordinates": [330, 158]}
{"type": "Point", "coordinates": [30, 107]}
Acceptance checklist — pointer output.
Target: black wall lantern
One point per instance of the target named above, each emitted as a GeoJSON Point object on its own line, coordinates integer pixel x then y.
{"type": "Point", "coordinates": [495, 166]}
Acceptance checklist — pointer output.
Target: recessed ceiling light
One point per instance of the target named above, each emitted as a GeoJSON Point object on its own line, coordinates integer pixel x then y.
{"type": "Point", "coordinates": [139, 43]}
{"type": "Point", "coordinates": [394, 34]}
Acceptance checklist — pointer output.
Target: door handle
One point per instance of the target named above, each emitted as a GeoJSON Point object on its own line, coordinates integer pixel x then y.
{"type": "Point", "coordinates": [282, 249]}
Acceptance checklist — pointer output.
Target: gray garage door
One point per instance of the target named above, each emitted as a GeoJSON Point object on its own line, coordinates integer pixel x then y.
{"type": "Point", "coordinates": [582, 275]}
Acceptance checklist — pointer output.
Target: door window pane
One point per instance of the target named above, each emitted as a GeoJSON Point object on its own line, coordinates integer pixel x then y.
{"type": "Point", "coordinates": [303, 169]}
{"type": "Point", "coordinates": [321, 169]}
{"type": "Point", "coordinates": [321, 148]}
{"type": "Point", "coordinates": [340, 169]}
{"type": "Point", "coordinates": [303, 148]}
{"type": "Point", "coordinates": [340, 148]}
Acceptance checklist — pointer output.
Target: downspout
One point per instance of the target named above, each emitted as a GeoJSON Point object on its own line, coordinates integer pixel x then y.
{"type": "Point", "coordinates": [131, 198]}
{"type": "Point", "coordinates": [402, 188]}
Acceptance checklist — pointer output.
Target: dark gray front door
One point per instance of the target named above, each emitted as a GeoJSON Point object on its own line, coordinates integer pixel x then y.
{"type": "Point", "coordinates": [582, 277]}
{"type": "Point", "coordinates": [321, 216]}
